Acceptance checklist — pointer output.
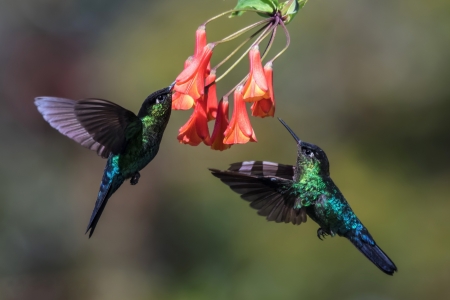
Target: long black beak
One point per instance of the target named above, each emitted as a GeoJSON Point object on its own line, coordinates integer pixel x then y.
{"type": "Point", "coordinates": [172, 85]}
{"type": "Point", "coordinates": [291, 132]}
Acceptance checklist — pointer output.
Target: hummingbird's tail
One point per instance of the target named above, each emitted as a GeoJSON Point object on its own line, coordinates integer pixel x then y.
{"type": "Point", "coordinates": [111, 181]}
{"type": "Point", "coordinates": [365, 243]}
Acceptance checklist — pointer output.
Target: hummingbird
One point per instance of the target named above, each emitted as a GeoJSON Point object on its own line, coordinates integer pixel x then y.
{"type": "Point", "coordinates": [286, 193]}
{"type": "Point", "coordinates": [128, 141]}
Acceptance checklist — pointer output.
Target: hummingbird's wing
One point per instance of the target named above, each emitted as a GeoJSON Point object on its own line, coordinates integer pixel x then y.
{"type": "Point", "coordinates": [263, 168]}
{"type": "Point", "coordinates": [268, 194]}
{"type": "Point", "coordinates": [97, 124]}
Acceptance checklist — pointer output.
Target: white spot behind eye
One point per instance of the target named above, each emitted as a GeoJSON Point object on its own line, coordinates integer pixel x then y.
{"type": "Point", "coordinates": [157, 101]}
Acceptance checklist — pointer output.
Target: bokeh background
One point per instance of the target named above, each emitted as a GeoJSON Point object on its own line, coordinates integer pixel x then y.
{"type": "Point", "coordinates": [368, 81]}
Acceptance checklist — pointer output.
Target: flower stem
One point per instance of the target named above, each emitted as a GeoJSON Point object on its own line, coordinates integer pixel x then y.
{"type": "Point", "coordinates": [232, 11]}
{"type": "Point", "coordinates": [237, 49]}
{"type": "Point", "coordinates": [272, 38]}
{"type": "Point", "coordinates": [288, 41]}
{"type": "Point", "coordinates": [256, 42]}
{"type": "Point", "coordinates": [240, 83]}
{"type": "Point", "coordinates": [243, 30]}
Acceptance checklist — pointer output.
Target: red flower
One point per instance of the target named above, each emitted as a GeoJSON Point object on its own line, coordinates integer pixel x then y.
{"type": "Point", "coordinates": [191, 81]}
{"type": "Point", "coordinates": [181, 101]}
{"type": "Point", "coordinates": [211, 96]}
{"type": "Point", "coordinates": [239, 131]}
{"type": "Point", "coordinates": [265, 107]}
{"type": "Point", "coordinates": [200, 40]}
{"type": "Point", "coordinates": [220, 126]}
{"type": "Point", "coordinates": [196, 129]}
{"type": "Point", "coordinates": [200, 43]}
{"type": "Point", "coordinates": [256, 87]}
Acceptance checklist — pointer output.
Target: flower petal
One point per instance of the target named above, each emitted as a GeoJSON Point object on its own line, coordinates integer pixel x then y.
{"type": "Point", "coordinates": [220, 126]}
{"type": "Point", "coordinates": [187, 134]}
{"type": "Point", "coordinates": [200, 40]}
{"type": "Point", "coordinates": [239, 131]}
{"type": "Point", "coordinates": [211, 96]}
{"type": "Point", "coordinates": [191, 80]}
{"type": "Point", "coordinates": [196, 129]}
{"type": "Point", "coordinates": [266, 107]}
{"type": "Point", "coordinates": [256, 87]}
{"type": "Point", "coordinates": [182, 101]}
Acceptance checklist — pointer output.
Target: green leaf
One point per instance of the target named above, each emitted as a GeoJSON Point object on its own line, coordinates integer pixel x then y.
{"type": "Point", "coordinates": [268, 6]}
{"type": "Point", "coordinates": [290, 11]}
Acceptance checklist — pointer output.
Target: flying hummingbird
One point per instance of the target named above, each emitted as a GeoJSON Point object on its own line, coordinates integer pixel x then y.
{"type": "Point", "coordinates": [285, 193]}
{"type": "Point", "coordinates": [129, 142]}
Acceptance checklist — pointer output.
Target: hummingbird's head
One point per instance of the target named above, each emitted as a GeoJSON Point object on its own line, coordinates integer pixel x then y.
{"type": "Point", "coordinates": [309, 156]}
{"type": "Point", "coordinates": [158, 104]}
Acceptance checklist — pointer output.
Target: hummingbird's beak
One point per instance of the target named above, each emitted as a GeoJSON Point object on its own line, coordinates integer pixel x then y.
{"type": "Point", "coordinates": [291, 132]}
{"type": "Point", "coordinates": [172, 85]}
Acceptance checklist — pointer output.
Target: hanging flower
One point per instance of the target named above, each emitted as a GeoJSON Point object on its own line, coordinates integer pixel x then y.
{"type": "Point", "coordinates": [266, 107]}
{"type": "Point", "coordinates": [239, 131]}
{"type": "Point", "coordinates": [256, 87]}
{"type": "Point", "coordinates": [191, 82]}
{"type": "Point", "coordinates": [181, 101]}
{"type": "Point", "coordinates": [220, 126]}
{"type": "Point", "coordinates": [195, 86]}
{"type": "Point", "coordinates": [211, 96]}
{"type": "Point", "coordinates": [200, 40]}
{"type": "Point", "coordinates": [196, 129]}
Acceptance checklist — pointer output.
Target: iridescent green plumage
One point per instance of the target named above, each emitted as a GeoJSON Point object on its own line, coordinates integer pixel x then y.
{"type": "Point", "coordinates": [129, 142]}
{"type": "Point", "coordinates": [288, 194]}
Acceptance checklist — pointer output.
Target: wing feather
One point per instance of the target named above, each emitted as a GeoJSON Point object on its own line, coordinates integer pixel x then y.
{"type": "Point", "coordinates": [267, 194]}
{"type": "Point", "coordinates": [96, 124]}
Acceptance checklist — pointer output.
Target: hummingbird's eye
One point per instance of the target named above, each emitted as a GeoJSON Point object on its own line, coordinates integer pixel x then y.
{"type": "Point", "coordinates": [308, 153]}
{"type": "Point", "coordinates": [160, 99]}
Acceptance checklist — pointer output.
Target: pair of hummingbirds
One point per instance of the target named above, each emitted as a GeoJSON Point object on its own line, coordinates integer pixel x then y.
{"type": "Point", "coordinates": [281, 193]}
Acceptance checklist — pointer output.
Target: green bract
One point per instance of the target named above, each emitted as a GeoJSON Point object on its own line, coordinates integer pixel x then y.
{"type": "Point", "coordinates": [268, 6]}
{"type": "Point", "coordinates": [288, 9]}
{"type": "Point", "coordinates": [291, 9]}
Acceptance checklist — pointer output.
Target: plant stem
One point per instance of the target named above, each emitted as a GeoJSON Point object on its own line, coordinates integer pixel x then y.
{"type": "Point", "coordinates": [232, 11]}
{"type": "Point", "coordinates": [258, 40]}
{"type": "Point", "coordinates": [272, 38]}
{"type": "Point", "coordinates": [237, 49]}
{"type": "Point", "coordinates": [243, 30]}
{"type": "Point", "coordinates": [232, 90]}
{"type": "Point", "coordinates": [288, 41]}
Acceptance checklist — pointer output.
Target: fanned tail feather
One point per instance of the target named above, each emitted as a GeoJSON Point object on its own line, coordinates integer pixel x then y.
{"type": "Point", "coordinates": [367, 246]}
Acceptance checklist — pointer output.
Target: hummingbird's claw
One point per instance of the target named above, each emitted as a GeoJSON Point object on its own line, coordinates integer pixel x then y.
{"type": "Point", "coordinates": [321, 234]}
{"type": "Point", "coordinates": [135, 179]}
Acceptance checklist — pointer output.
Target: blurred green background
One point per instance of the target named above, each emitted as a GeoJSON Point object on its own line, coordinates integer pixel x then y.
{"type": "Point", "coordinates": [368, 81]}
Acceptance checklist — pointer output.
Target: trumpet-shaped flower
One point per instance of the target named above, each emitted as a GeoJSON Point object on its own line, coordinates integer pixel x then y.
{"type": "Point", "coordinates": [200, 40]}
{"type": "Point", "coordinates": [196, 129]}
{"type": "Point", "coordinates": [200, 43]}
{"type": "Point", "coordinates": [191, 81]}
{"type": "Point", "coordinates": [266, 107]}
{"type": "Point", "coordinates": [220, 126]}
{"type": "Point", "coordinates": [211, 96]}
{"type": "Point", "coordinates": [181, 101]}
{"type": "Point", "coordinates": [239, 131]}
{"type": "Point", "coordinates": [256, 87]}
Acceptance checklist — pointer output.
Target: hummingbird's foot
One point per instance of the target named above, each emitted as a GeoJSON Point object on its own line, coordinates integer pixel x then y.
{"type": "Point", "coordinates": [321, 234]}
{"type": "Point", "coordinates": [135, 179]}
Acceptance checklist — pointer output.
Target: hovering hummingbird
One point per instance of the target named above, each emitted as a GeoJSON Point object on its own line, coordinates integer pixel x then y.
{"type": "Point", "coordinates": [285, 193]}
{"type": "Point", "coordinates": [129, 142]}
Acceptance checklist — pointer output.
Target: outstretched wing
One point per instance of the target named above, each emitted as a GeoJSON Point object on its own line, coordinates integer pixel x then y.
{"type": "Point", "coordinates": [269, 194]}
{"type": "Point", "coordinates": [263, 168]}
{"type": "Point", "coordinates": [97, 124]}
